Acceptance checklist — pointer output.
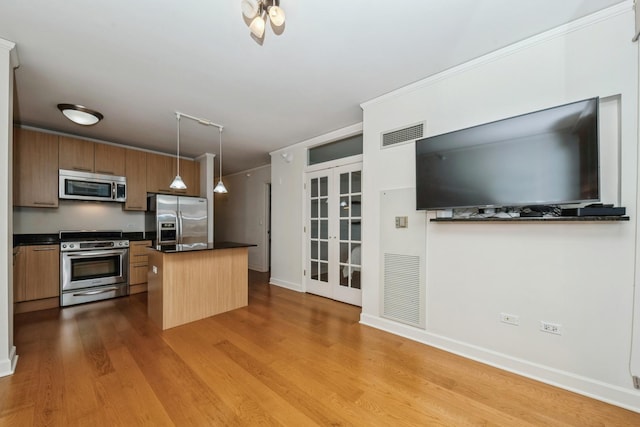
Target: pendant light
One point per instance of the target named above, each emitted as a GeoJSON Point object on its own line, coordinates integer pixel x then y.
{"type": "Point", "coordinates": [256, 13]}
{"type": "Point", "coordinates": [178, 183]}
{"type": "Point", "coordinates": [220, 188]}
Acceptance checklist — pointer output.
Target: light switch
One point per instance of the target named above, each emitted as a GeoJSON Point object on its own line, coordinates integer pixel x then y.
{"type": "Point", "coordinates": [154, 269]}
{"type": "Point", "coordinates": [402, 222]}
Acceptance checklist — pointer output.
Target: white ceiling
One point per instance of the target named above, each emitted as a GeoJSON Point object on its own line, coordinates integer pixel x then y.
{"type": "Point", "coordinates": [139, 61]}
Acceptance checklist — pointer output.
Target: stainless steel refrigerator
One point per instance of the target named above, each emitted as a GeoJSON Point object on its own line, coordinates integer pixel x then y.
{"type": "Point", "coordinates": [176, 220]}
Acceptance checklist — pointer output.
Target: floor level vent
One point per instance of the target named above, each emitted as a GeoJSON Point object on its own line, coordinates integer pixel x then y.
{"type": "Point", "coordinates": [402, 136]}
{"type": "Point", "coordinates": [402, 300]}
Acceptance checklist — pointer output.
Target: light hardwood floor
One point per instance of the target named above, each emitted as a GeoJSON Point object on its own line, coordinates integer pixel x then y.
{"type": "Point", "coordinates": [287, 359]}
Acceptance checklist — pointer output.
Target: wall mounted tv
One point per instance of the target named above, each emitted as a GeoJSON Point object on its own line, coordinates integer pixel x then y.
{"type": "Point", "coordinates": [546, 157]}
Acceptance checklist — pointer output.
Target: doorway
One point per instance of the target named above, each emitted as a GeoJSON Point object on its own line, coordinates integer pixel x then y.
{"type": "Point", "coordinates": [333, 233]}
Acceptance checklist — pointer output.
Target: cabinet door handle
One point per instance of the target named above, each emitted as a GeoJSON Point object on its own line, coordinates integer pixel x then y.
{"type": "Point", "coordinates": [44, 203]}
{"type": "Point", "coordinates": [44, 249]}
{"type": "Point", "coordinates": [134, 207]}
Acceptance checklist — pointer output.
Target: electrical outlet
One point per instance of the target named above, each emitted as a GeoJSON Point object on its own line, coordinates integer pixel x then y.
{"type": "Point", "coordinates": [552, 328]}
{"type": "Point", "coordinates": [511, 319]}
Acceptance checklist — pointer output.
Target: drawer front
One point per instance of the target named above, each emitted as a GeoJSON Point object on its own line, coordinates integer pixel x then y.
{"type": "Point", "coordinates": [138, 274]}
{"type": "Point", "coordinates": [138, 259]}
{"type": "Point", "coordinates": [139, 248]}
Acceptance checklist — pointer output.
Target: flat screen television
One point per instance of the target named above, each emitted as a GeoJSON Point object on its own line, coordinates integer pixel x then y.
{"type": "Point", "coordinates": [546, 157]}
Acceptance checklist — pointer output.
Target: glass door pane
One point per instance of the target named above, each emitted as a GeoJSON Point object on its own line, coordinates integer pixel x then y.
{"type": "Point", "coordinates": [350, 213]}
{"type": "Point", "coordinates": [318, 226]}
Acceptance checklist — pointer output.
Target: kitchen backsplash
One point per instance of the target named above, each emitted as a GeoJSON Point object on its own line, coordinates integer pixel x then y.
{"type": "Point", "coordinates": [75, 215]}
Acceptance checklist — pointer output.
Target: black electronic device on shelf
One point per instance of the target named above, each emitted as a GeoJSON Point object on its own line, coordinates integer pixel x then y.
{"type": "Point", "coordinates": [595, 209]}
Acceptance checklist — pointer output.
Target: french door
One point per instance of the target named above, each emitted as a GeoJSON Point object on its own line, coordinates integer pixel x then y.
{"type": "Point", "coordinates": [333, 233]}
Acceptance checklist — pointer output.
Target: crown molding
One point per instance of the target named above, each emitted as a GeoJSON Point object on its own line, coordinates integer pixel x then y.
{"type": "Point", "coordinates": [13, 52]}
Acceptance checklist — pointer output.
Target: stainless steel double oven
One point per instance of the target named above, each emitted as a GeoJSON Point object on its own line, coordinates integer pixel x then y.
{"type": "Point", "coordinates": [94, 265]}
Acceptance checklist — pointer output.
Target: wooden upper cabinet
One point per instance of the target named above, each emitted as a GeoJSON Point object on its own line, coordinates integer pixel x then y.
{"type": "Point", "coordinates": [136, 173]}
{"type": "Point", "coordinates": [109, 160]}
{"type": "Point", "coordinates": [190, 173]}
{"type": "Point", "coordinates": [162, 169]}
{"type": "Point", "coordinates": [160, 172]}
{"type": "Point", "coordinates": [87, 156]}
{"type": "Point", "coordinates": [76, 154]}
{"type": "Point", "coordinates": [35, 169]}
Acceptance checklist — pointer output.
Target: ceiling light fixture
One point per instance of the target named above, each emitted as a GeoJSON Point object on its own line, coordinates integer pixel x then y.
{"type": "Point", "coordinates": [80, 115]}
{"type": "Point", "coordinates": [178, 183]}
{"type": "Point", "coordinates": [257, 11]}
{"type": "Point", "coordinates": [220, 188]}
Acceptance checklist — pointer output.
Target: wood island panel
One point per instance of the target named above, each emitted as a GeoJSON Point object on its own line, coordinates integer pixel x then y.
{"type": "Point", "coordinates": [190, 286]}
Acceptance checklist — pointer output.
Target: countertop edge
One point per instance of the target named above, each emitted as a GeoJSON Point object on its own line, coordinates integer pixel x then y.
{"type": "Point", "coordinates": [175, 249]}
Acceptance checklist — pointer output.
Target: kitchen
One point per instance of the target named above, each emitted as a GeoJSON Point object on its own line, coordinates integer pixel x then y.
{"type": "Point", "coordinates": [101, 190]}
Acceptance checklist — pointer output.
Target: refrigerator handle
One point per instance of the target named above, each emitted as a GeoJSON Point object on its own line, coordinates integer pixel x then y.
{"type": "Point", "coordinates": [179, 234]}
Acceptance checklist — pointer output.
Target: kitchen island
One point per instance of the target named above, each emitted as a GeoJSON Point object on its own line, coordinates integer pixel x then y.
{"type": "Point", "coordinates": [190, 282]}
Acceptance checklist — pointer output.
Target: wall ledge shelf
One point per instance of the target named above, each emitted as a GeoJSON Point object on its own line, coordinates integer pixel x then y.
{"type": "Point", "coordinates": [538, 219]}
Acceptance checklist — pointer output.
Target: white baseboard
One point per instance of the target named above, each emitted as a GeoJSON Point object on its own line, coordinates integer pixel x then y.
{"type": "Point", "coordinates": [258, 268]}
{"type": "Point", "coordinates": [8, 366]}
{"type": "Point", "coordinates": [613, 394]}
{"type": "Point", "coordinates": [284, 284]}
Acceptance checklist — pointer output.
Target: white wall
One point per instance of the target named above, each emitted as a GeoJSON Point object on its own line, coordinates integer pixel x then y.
{"type": "Point", "coordinates": [77, 215]}
{"type": "Point", "coordinates": [241, 214]}
{"type": "Point", "coordinates": [580, 275]}
{"type": "Point", "coordinates": [8, 60]}
{"type": "Point", "coordinates": [287, 179]}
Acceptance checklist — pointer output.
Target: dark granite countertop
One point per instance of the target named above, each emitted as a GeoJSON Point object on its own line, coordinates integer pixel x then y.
{"type": "Point", "coordinates": [35, 239]}
{"type": "Point", "coordinates": [54, 238]}
{"type": "Point", "coordinates": [200, 247]}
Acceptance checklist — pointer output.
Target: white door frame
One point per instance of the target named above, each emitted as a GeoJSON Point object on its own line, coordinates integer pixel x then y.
{"type": "Point", "coordinates": [346, 295]}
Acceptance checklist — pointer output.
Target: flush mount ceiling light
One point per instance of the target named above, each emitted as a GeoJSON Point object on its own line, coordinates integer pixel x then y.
{"type": "Point", "coordinates": [256, 11]}
{"type": "Point", "coordinates": [80, 115]}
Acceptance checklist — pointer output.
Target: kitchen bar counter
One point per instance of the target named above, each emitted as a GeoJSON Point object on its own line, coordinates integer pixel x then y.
{"type": "Point", "coordinates": [189, 284]}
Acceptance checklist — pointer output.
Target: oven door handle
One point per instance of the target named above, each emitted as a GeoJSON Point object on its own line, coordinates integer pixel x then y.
{"type": "Point", "coordinates": [92, 254]}
{"type": "Point", "coordinates": [96, 292]}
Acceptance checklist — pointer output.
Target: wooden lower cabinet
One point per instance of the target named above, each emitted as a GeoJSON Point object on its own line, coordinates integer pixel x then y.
{"type": "Point", "coordinates": [36, 278]}
{"type": "Point", "coordinates": [138, 265]}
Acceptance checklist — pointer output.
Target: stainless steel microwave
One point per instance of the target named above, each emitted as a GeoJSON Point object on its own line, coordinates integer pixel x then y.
{"type": "Point", "coordinates": [92, 186]}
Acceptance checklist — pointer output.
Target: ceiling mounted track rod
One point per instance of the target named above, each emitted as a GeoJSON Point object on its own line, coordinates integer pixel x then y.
{"type": "Point", "coordinates": [199, 120]}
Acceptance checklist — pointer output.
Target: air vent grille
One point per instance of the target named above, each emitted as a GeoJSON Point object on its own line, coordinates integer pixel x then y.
{"type": "Point", "coordinates": [399, 136]}
{"type": "Point", "coordinates": [402, 300]}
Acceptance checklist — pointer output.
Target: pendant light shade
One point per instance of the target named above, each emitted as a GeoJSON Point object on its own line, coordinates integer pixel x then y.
{"type": "Point", "coordinates": [249, 8]}
{"type": "Point", "coordinates": [178, 183]}
{"type": "Point", "coordinates": [276, 14]}
{"type": "Point", "coordinates": [257, 26]}
{"type": "Point", "coordinates": [220, 188]}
